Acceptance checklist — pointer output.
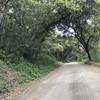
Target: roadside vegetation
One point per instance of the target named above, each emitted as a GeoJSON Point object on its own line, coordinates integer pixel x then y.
{"type": "Point", "coordinates": [18, 73]}
{"type": "Point", "coordinates": [35, 35]}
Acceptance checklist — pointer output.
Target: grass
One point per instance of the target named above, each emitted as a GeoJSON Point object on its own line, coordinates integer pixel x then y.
{"type": "Point", "coordinates": [4, 85]}
{"type": "Point", "coordinates": [85, 61]}
{"type": "Point", "coordinates": [24, 72]}
{"type": "Point", "coordinates": [27, 71]}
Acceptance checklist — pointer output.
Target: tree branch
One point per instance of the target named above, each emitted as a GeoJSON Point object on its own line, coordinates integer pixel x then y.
{"type": "Point", "coordinates": [89, 39]}
{"type": "Point", "coordinates": [5, 4]}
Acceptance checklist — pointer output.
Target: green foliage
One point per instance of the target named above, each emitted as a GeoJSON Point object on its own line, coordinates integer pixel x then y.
{"type": "Point", "coordinates": [4, 85]}
{"type": "Point", "coordinates": [24, 72]}
{"type": "Point", "coordinates": [24, 29]}
{"type": "Point", "coordinates": [96, 57]}
{"type": "Point", "coordinates": [63, 49]}
{"type": "Point", "coordinates": [45, 60]}
{"type": "Point", "coordinates": [25, 24]}
{"type": "Point", "coordinates": [85, 61]}
{"type": "Point", "coordinates": [28, 71]}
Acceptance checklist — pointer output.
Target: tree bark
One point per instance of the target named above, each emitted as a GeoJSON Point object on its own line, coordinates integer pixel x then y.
{"type": "Point", "coordinates": [88, 53]}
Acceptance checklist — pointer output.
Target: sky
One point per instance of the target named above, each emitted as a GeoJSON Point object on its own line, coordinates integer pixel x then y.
{"type": "Point", "coordinates": [70, 32]}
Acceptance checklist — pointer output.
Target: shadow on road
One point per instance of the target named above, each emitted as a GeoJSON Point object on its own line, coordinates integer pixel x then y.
{"type": "Point", "coordinates": [80, 91]}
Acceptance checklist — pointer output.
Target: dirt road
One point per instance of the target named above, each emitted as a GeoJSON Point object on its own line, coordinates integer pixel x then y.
{"type": "Point", "coordinates": [69, 82]}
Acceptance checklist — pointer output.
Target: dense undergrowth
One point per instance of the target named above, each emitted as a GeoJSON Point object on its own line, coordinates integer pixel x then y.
{"type": "Point", "coordinates": [18, 73]}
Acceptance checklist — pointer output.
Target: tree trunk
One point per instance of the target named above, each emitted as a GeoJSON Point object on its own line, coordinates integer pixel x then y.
{"type": "Point", "coordinates": [88, 53]}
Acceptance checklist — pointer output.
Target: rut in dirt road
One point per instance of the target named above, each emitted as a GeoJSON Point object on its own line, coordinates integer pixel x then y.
{"type": "Point", "coordinates": [69, 82]}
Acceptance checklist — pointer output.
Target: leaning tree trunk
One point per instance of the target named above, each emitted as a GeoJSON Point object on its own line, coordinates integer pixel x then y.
{"type": "Point", "coordinates": [88, 53]}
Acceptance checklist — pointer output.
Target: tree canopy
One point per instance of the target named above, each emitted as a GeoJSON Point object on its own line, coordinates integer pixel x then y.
{"type": "Point", "coordinates": [26, 24]}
